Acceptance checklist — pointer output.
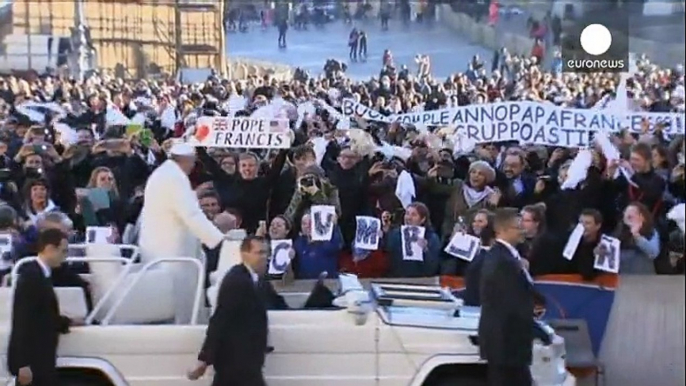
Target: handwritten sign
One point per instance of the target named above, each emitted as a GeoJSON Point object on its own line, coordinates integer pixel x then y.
{"type": "Point", "coordinates": [322, 222]}
{"type": "Point", "coordinates": [367, 233]}
{"type": "Point", "coordinates": [608, 260]}
{"type": "Point", "coordinates": [463, 246]}
{"type": "Point", "coordinates": [410, 236]}
{"type": "Point", "coordinates": [228, 132]}
{"type": "Point", "coordinates": [281, 256]}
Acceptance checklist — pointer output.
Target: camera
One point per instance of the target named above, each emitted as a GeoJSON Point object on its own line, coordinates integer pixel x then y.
{"type": "Point", "coordinates": [33, 172]}
{"type": "Point", "coordinates": [307, 182]}
{"type": "Point", "coordinates": [5, 175]}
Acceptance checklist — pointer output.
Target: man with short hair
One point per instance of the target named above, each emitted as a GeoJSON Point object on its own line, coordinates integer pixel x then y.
{"type": "Point", "coordinates": [584, 257]}
{"type": "Point", "coordinates": [236, 340]}
{"type": "Point", "coordinates": [507, 306]}
{"type": "Point", "coordinates": [520, 185]}
{"type": "Point", "coordinates": [36, 321]}
{"type": "Point", "coordinates": [210, 203]}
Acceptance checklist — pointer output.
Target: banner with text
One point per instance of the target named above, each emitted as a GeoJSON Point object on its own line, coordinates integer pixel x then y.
{"type": "Point", "coordinates": [231, 132]}
{"type": "Point", "coordinates": [527, 122]}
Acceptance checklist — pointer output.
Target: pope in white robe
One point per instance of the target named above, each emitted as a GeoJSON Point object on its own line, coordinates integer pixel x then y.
{"type": "Point", "coordinates": [173, 225]}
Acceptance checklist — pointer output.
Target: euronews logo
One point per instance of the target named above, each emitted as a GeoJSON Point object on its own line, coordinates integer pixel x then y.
{"type": "Point", "coordinates": [595, 49]}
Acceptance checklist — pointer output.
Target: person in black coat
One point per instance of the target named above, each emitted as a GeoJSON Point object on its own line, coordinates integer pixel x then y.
{"type": "Point", "coordinates": [518, 185]}
{"type": "Point", "coordinates": [507, 306]}
{"type": "Point", "coordinates": [236, 340]}
{"type": "Point", "coordinates": [36, 320]}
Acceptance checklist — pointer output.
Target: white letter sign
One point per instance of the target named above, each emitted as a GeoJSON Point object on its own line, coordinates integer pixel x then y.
{"type": "Point", "coordinates": [463, 246]}
{"type": "Point", "coordinates": [367, 233]}
{"type": "Point", "coordinates": [322, 222]}
{"type": "Point", "coordinates": [281, 256]}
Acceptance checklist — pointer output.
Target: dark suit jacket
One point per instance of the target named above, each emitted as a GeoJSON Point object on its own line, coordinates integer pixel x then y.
{"type": "Point", "coordinates": [514, 200]}
{"type": "Point", "coordinates": [36, 324]}
{"type": "Point", "coordinates": [236, 340]}
{"type": "Point", "coordinates": [507, 307]}
{"type": "Point", "coordinates": [472, 280]}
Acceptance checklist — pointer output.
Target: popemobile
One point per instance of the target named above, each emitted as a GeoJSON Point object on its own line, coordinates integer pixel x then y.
{"type": "Point", "coordinates": [388, 334]}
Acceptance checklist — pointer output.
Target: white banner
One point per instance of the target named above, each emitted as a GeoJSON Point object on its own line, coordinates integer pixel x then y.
{"type": "Point", "coordinates": [230, 132]}
{"type": "Point", "coordinates": [351, 108]}
{"type": "Point", "coordinates": [528, 122]}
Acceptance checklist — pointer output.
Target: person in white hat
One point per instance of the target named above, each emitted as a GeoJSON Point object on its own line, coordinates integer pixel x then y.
{"type": "Point", "coordinates": [173, 225]}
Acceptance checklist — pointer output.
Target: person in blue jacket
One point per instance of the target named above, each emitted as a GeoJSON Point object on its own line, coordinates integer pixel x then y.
{"type": "Point", "coordinates": [416, 214]}
{"type": "Point", "coordinates": [315, 257]}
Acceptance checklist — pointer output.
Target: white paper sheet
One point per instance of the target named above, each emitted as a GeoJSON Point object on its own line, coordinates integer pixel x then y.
{"type": "Point", "coordinates": [114, 117]}
{"type": "Point", "coordinates": [405, 189]}
{"type": "Point", "coordinates": [367, 233]}
{"type": "Point", "coordinates": [463, 246]}
{"type": "Point", "coordinates": [5, 251]}
{"type": "Point", "coordinates": [98, 235]}
{"type": "Point", "coordinates": [322, 222]}
{"type": "Point", "coordinates": [573, 242]}
{"type": "Point", "coordinates": [280, 257]}
{"type": "Point", "coordinates": [609, 262]}
{"type": "Point", "coordinates": [412, 251]}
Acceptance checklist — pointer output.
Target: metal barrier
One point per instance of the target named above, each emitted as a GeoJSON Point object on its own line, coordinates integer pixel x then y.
{"type": "Point", "coordinates": [146, 267]}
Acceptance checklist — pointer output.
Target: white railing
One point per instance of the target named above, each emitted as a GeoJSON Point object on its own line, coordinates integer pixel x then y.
{"type": "Point", "coordinates": [135, 251]}
{"type": "Point", "coordinates": [146, 267]}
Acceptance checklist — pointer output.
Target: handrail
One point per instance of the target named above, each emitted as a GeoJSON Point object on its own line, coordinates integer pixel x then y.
{"type": "Point", "coordinates": [110, 291]}
{"type": "Point", "coordinates": [146, 267]}
{"type": "Point", "coordinates": [89, 318]}
{"type": "Point", "coordinates": [135, 250]}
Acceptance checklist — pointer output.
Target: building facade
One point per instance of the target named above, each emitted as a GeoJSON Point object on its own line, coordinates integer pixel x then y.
{"type": "Point", "coordinates": [136, 39]}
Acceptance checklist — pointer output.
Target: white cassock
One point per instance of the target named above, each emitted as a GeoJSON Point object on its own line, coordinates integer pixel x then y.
{"type": "Point", "coordinates": [173, 225]}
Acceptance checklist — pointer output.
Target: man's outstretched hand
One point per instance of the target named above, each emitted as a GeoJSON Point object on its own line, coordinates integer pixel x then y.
{"type": "Point", "coordinates": [198, 371]}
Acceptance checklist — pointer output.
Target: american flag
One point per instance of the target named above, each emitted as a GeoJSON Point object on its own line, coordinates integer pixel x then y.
{"type": "Point", "coordinates": [277, 126]}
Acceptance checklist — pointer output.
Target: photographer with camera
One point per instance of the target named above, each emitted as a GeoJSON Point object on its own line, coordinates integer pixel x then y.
{"type": "Point", "coordinates": [38, 159]}
{"type": "Point", "coordinates": [312, 189]}
{"type": "Point", "coordinates": [334, 69]}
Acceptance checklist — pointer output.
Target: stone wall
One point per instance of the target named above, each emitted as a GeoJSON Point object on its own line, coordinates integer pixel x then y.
{"type": "Point", "coordinates": [240, 68]}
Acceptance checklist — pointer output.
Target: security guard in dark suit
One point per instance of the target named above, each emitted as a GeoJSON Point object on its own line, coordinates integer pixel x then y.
{"type": "Point", "coordinates": [36, 320]}
{"type": "Point", "coordinates": [507, 306]}
{"type": "Point", "coordinates": [236, 340]}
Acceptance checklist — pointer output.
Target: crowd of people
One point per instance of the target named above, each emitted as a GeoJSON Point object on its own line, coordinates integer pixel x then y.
{"type": "Point", "coordinates": [47, 182]}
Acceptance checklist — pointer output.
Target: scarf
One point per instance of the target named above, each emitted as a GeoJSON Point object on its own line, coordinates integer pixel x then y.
{"type": "Point", "coordinates": [33, 216]}
{"type": "Point", "coordinates": [473, 197]}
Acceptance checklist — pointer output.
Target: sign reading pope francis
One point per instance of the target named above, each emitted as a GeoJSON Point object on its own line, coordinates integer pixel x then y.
{"type": "Point", "coordinates": [243, 132]}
